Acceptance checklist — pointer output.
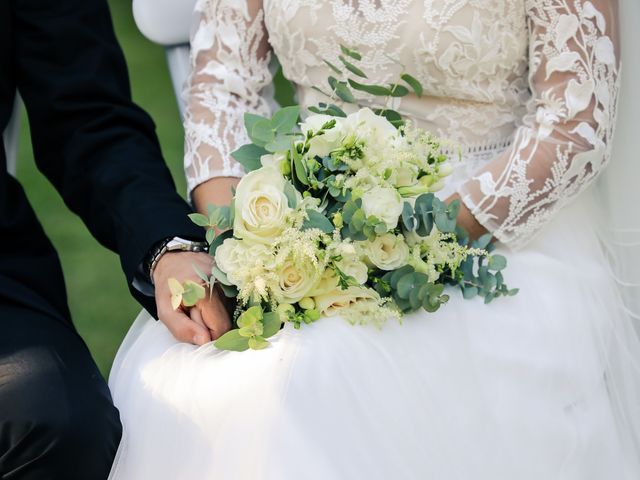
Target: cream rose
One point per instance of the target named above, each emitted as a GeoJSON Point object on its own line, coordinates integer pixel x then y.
{"type": "Point", "coordinates": [295, 281]}
{"type": "Point", "coordinates": [383, 203]}
{"type": "Point", "coordinates": [334, 301]}
{"type": "Point", "coordinates": [260, 206]}
{"type": "Point", "coordinates": [387, 252]}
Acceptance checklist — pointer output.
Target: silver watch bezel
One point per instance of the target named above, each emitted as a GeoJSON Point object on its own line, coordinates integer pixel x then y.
{"type": "Point", "coordinates": [176, 244]}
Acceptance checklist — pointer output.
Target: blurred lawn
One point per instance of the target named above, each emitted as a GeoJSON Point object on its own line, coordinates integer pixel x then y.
{"type": "Point", "coordinates": [100, 302]}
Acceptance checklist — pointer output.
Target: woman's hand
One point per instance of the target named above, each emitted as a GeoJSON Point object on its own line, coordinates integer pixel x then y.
{"type": "Point", "coordinates": [466, 220]}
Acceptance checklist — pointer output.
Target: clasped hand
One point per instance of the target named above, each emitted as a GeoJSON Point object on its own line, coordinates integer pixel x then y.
{"type": "Point", "coordinates": [200, 324]}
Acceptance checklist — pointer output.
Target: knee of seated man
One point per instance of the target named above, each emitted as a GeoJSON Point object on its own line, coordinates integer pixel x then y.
{"type": "Point", "coordinates": [48, 406]}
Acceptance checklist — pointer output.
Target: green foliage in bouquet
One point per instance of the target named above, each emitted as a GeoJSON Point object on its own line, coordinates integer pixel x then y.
{"type": "Point", "coordinates": [337, 215]}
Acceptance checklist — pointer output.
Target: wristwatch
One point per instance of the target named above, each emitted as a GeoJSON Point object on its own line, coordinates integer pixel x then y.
{"type": "Point", "coordinates": [174, 244]}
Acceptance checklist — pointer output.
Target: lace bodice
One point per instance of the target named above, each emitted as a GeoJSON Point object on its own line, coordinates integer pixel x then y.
{"type": "Point", "coordinates": [537, 76]}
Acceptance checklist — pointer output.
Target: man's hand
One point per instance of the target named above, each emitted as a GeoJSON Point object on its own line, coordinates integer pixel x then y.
{"type": "Point", "coordinates": [204, 322]}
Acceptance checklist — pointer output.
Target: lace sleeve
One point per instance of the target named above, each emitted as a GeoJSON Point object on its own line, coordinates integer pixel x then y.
{"type": "Point", "coordinates": [230, 58]}
{"type": "Point", "coordinates": [564, 141]}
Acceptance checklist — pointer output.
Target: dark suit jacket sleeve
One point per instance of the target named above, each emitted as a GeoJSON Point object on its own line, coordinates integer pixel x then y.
{"type": "Point", "coordinates": [97, 147]}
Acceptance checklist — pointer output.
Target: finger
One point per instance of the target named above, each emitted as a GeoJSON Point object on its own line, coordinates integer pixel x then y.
{"type": "Point", "coordinates": [215, 316]}
{"type": "Point", "coordinates": [184, 329]}
{"type": "Point", "coordinates": [196, 316]}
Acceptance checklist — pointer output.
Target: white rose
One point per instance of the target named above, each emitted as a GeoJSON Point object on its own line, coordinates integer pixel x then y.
{"type": "Point", "coordinates": [234, 256]}
{"type": "Point", "coordinates": [260, 206]}
{"type": "Point", "coordinates": [324, 144]}
{"type": "Point", "coordinates": [333, 302]}
{"type": "Point", "coordinates": [367, 125]}
{"type": "Point", "coordinates": [295, 281]}
{"type": "Point", "coordinates": [273, 160]}
{"type": "Point", "coordinates": [383, 203]}
{"type": "Point", "coordinates": [387, 252]}
{"type": "Point", "coordinates": [352, 266]}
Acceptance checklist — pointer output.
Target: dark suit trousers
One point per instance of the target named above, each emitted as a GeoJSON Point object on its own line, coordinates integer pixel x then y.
{"type": "Point", "coordinates": [57, 420]}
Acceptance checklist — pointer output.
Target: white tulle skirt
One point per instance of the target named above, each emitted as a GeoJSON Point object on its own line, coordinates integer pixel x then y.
{"type": "Point", "coordinates": [519, 389]}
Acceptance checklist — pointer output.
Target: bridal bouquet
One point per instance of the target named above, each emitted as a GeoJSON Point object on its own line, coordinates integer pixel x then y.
{"type": "Point", "coordinates": [337, 216]}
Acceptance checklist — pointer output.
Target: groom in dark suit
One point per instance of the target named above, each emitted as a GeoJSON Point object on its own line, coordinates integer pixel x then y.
{"type": "Point", "coordinates": [99, 150]}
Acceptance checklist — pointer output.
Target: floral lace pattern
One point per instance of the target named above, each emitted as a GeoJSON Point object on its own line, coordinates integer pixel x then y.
{"type": "Point", "coordinates": [541, 75]}
{"type": "Point", "coordinates": [229, 71]}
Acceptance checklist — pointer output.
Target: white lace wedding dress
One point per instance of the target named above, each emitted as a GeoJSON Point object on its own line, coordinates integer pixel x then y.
{"type": "Point", "coordinates": [539, 386]}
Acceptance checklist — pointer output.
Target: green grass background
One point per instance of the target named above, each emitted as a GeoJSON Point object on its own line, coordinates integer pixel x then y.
{"type": "Point", "coordinates": [100, 302]}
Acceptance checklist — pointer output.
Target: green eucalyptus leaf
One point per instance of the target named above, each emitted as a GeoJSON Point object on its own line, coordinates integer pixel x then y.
{"type": "Point", "coordinates": [350, 53]}
{"type": "Point", "coordinates": [444, 223]}
{"type": "Point", "coordinates": [483, 241]}
{"type": "Point", "coordinates": [224, 220]}
{"type": "Point", "coordinates": [335, 111]}
{"type": "Point", "coordinates": [489, 282]}
{"type": "Point", "coordinates": [431, 304]}
{"type": "Point", "coordinates": [351, 67]}
{"type": "Point", "coordinates": [469, 292]}
{"type": "Point", "coordinates": [453, 209]}
{"type": "Point", "coordinates": [250, 316]}
{"type": "Point", "coordinates": [396, 275]}
{"type": "Point", "coordinates": [392, 116]}
{"type": "Point", "coordinates": [380, 228]}
{"type": "Point", "coordinates": [406, 285]}
{"type": "Point", "coordinates": [415, 300]}
{"type": "Point", "coordinates": [415, 85]}
{"type": "Point", "coordinates": [358, 220]}
{"type": "Point", "coordinates": [193, 292]}
{"type": "Point", "coordinates": [290, 193]}
{"type": "Point", "coordinates": [332, 67]}
{"type": "Point", "coordinates": [300, 170]}
{"type": "Point", "coordinates": [435, 289]}
{"type": "Point", "coordinates": [200, 273]}
{"type": "Point", "coordinates": [229, 290]}
{"type": "Point", "coordinates": [233, 341]}
{"type": "Point", "coordinates": [398, 90]}
{"type": "Point", "coordinates": [348, 210]}
{"type": "Point", "coordinates": [199, 219]}
{"type": "Point", "coordinates": [250, 119]}
{"type": "Point", "coordinates": [220, 276]}
{"type": "Point", "coordinates": [258, 343]}
{"type": "Point", "coordinates": [344, 93]}
{"type": "Point", "coordinates": [219, 241]}
{"type": "Point", "coordinates": [497, 263]}
{"type": "Point", "coordinates": [408, 220]}
{"type": "Point", "coordinates": [249, 156]}
{"type": "Point", "coordinates": [377, 90]}
{"type": "Point", "coordinates": [403, 304]}
{"type": "Point", "coordinates": [271, 324]}
{"type": "Point", "coordinates": [262, 133]}
{"type": "Point", "coordinates": [210, 235]}
{"type": "Point", "coordinates": [317, 220]}
{"type": "Point", "coordinates": [285, 119]}
{"type": "Point", "coordinates": [280, 143]}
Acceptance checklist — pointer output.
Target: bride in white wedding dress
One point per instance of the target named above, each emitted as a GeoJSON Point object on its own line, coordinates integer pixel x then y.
{"type": "Point", "coordinates": [539, 386]}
